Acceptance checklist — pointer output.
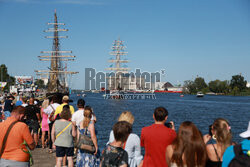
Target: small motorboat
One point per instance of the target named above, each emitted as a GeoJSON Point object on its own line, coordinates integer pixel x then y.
{"type": "Point", "coordinates": [199, 94]}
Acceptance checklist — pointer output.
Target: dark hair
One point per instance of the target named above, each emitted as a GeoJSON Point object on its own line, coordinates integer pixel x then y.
{"type": "Point", "coordinates": [65, 114]}
{"type": "Point", "coordinates": [11, 97]}
{"type": "Point", "coordinates": [19, 110]}
{"type": "Point", "coordinates": [55, 99]}
{"type": "Point", "coordinates": [80, 103]}
{"type": "Point", "coordinates": [66, 107]}
{"type": "Point", "coordinates": [31, 100]}
{"type": "Point", "coordinates": [24, 99]}
{"type": "Point", "coordinates": [160, 113]}
{"type": "Point", "coordinates": [121, 130]}
{"type": "Point", "coordinates": [189, 145]}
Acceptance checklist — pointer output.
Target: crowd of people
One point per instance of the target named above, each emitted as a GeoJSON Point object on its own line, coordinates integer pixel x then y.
{"type": "Point", "coordinates": [72, 133]}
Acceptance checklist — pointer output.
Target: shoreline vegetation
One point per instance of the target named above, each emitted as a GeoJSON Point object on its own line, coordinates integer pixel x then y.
{"type": "Point", "coordinates": [237, 86]}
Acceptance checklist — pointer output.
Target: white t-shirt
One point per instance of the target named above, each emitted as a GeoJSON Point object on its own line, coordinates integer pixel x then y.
{"type": "Point", "coordinates": [78, 117]}
{"type": "Point", "coordinates": [49, 109]}
{"type": "Point", "coordinates": [24, 105]}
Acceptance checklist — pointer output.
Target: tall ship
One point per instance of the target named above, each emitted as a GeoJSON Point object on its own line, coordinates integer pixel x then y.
{"type": "Point", "coordinates": [118, 65]}
{"type": "Point", "coordinates": [57, 73]}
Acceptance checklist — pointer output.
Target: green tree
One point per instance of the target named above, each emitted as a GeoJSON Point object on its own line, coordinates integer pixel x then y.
{"type": "Point", "coordinates": [235, 91]}
{"type": "Point", "coordinates": [189, 87]}
{"type": "Point", "coordinates": [218, 86]}
{"type": "Point", "coordinates": [239, 82]}
{"type": "Point", "coordinates": [200, 83]}
{"type": "Point", "coordinates": [214, 86]}
{"type": "Point", "coordinates": [40, 83]}
{"type": "Point", "coordinates": [5, 77]}
{"type": "Point", "coordinates": [224, 87]}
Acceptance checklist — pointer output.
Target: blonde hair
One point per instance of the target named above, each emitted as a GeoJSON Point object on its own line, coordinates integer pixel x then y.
{"type": "Point", "coordinates": [45, 103]}
{"type": "Point", "coordinates": [222, 133]}
{"type": "Point", "coordinates": [127, 116]}
{"type": "Point", "coordinates": [87, 116]}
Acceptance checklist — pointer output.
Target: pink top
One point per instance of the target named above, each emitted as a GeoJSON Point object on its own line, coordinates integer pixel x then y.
{"type": "Point", "coordinates": [45, 125]}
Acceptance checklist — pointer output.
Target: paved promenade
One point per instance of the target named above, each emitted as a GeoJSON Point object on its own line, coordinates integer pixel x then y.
{"type": "Point", "coordinates": [43, 159]}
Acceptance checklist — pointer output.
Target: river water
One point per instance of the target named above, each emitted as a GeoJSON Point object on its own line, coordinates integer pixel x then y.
{"type": "Point", "coordinates": [201, 111]}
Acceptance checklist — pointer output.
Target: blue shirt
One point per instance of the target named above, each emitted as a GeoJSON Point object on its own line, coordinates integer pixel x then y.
{"type": "Point", "coordinates": [229, 153]}
{"type": "Point", "coordinates": [19, 103]}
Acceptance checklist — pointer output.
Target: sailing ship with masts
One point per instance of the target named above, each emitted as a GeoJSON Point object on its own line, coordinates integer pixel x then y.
{"type": "Point", "coordinates": [57, 73]}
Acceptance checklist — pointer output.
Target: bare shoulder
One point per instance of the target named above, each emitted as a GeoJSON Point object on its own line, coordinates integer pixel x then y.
{"type": "Point", "coordinates": [210, 152]}
{"type": "Point", "coordinates": [209, 147]}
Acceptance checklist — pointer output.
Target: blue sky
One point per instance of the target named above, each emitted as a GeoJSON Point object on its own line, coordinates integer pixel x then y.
{"type": "Point", "coordinates": [208, 38]}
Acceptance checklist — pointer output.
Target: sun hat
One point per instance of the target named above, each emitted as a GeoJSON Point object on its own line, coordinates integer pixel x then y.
{"type": "Point", "coordinates": [246, 134]}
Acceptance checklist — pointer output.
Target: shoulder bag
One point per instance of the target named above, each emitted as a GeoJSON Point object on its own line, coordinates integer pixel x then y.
{"type": "Point", "coordinates": [85, 143]}
{"type": "Point", "coordinates": [51, 116]}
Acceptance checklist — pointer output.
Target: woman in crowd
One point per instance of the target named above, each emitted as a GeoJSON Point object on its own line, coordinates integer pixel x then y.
{"type": "Point", "coordinates": [221, 133]}
{"type": "Point", "coordinates": [62, 136]}
{"type": "Point", "coordinates": [188, 149]}
{"type": "Point", "coordinates": [132, 145]}
{"type": "Point", "coordinates": [45, 125]}
{"type": "Point", "coordinates": [87, 127]}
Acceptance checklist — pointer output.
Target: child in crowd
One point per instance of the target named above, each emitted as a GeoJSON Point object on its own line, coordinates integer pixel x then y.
{"type": "Point", "coordinates": [114, 154]}
{"type": "Point", "coordinates": [132, 145]}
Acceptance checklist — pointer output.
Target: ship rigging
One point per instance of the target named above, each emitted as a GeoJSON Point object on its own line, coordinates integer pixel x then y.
{"type": "Point", "coordinates": [57, 73]}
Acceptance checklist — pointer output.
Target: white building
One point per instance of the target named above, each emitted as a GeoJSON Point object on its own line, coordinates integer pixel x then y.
{"type": "Point", "coordinates": [248, 85]}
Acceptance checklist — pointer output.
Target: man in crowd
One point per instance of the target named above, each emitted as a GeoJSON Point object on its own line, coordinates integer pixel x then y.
{"type": "Point", "coordinates": [229, 154]}
{"type": "Point", "coordinates": [77, 117]}
{"type": "Point", "coordinates": [8, 106]}
{"type": "Point", "coordinates": [50, 111]}
{"type": "Point", "coordinates": [65, 101]}
{"type": "Point", "coordinates": [33, 119]}
{"type": "Point", "coordinates": [13, 154]}
{"type": "Point", "coordinates": [155, 139]}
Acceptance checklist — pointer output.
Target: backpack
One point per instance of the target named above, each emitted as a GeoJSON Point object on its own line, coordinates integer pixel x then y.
{"type": "Point", "coordinates": [112, 161]}
{"type": "Point", "coordinates": [240, 159]}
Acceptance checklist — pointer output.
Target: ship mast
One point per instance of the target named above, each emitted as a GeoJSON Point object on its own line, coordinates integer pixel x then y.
{"type": "Point", "coordinates": [57, 72]}
{"type": "Point", "coordinates": [118, 66]}
{"type": "Point", "coordinates": [118, 51]}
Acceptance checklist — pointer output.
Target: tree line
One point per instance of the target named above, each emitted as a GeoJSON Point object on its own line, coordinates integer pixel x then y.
{"type": "Point", "coordinates": [6, 77]}
{"type": "Point", "coordinates": [236, 86]}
